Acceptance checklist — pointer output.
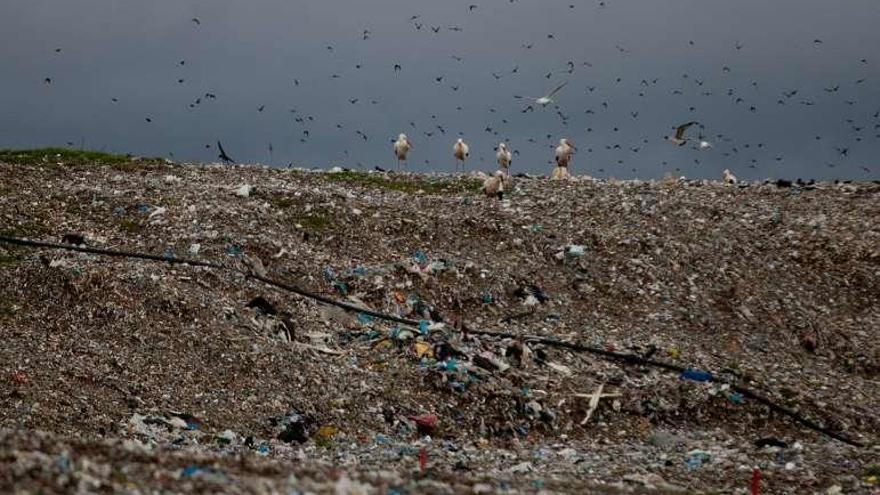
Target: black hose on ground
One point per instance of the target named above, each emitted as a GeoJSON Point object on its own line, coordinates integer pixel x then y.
{"type": "Point", "coordinates": [630, 359]}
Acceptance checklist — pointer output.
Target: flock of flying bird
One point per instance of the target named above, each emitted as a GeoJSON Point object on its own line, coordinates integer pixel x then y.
{"type": "Point", "coordinates": [565, 148]}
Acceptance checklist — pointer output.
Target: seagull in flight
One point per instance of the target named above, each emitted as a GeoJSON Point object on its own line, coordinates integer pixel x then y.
{"type": "Point", "coordinates": [545, 100]}
{"type": "Point", "coordinates": [678, 139]}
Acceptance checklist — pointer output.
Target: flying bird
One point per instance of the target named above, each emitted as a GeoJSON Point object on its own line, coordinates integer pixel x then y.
{"type": "Point", "coordinates": [401, 148]}
{"type": "Point", "coordinates": [461, 152]}
{"type": "Point", "coordinates": [223, 156]}
{"type": "Point", "coordinates": [548, 99]}
{"type": "Point", "coordinates": [678, 139]}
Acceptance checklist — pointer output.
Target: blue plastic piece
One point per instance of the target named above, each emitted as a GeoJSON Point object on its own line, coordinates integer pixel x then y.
{"type": "Point", "coordinates": [696, 375]}
{"type": "Point", "coordinates": [420, 257]}
{"type": "Point", "coordinates": [190, 471]}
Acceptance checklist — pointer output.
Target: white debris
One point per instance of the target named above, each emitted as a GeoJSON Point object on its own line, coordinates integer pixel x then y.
{"type": "Point", "coordinates": [160, 210]}
{"type": "Point", "coordinates": [243, 191]}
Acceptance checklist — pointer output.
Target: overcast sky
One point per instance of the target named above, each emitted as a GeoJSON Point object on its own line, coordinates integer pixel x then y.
{"type": "Point", "coordinates": [726, 64]}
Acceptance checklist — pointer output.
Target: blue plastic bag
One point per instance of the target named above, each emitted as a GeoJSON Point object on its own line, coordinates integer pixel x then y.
{"type": "Point", "coordinates": [696, 375]}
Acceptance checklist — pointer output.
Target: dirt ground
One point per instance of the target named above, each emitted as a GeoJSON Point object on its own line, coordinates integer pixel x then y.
{"type": "Point", "coordinates": [134, 376]}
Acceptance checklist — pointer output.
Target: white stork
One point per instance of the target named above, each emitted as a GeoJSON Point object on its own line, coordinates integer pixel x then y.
{"type": "Point", "coordinates": [504, 158]}
{"type": "Point", "coordinates": [563, 158]}
{"type": "Point", "coordinates": [461, 151]}
{"type": "Point", "coordinates": [401, 148]}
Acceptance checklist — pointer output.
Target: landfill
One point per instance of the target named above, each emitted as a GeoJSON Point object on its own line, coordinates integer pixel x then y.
{"type": "Point", "coordinates": [126, 375]}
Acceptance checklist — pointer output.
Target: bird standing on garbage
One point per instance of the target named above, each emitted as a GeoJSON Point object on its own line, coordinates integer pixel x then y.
{"type": "Point", "coordinates": [461, 151]}
{"type": "Point", "coordinates": [401, 148]}
{"type": "Point", "coordinates": [563, 158]}
{"type": "Point", "coordinates": [493, 186]}
{"type": "Point", "coordinates": [564, 151]}
{"type": "Point", "coordinates": [504, 158]}
{"type": "Point", "coordinates": [729, 178]}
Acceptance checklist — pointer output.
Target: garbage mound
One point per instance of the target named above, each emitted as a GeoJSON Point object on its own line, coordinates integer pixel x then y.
{"type": "Point", "coordinates": [127, 374]}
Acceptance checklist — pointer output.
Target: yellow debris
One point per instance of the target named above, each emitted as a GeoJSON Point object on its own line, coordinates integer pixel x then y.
{"type": "Point", "coordinates": [325, 433]}
{"type": "Point", "coordinates": [423, 350]}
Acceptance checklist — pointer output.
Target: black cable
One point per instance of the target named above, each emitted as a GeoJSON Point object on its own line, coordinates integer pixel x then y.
{"type": "Point", "coordinates": [640, 361]}
{"type": "Point", "coordinates": [631, 359]}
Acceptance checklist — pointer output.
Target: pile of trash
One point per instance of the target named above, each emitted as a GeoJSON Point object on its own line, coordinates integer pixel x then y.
{"type": "Point", "coordinates": [437, 371]}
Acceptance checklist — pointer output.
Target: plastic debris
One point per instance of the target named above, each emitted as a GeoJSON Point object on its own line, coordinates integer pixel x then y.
{"type": "Point", "coordinates": [425, 423]}
{"type": "Point", "coordinates": [666, 266]}
{"type": "Point", "coordinates": [423, 349]}
{"type": "Point", "coordinates": [325, 434]}
{"type": "Point", "coordinates": [75, 239]}
{"type": "Point", "coordinates": [243, 191]}
{"type": "Point", "coordinates": [696, 458]}
{"type": "Point", "coordinates": [696, 375]}
{"type": "Point", "coordinates": [294, 427]}
{"type": "Point", "coordinates": [770, 442]}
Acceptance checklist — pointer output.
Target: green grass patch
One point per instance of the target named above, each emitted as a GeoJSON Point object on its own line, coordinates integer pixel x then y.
{"type": "Point", "coordinates": [29, 230]}
{"type": "Point", "coordinates": [280, 200]}
{"type": "Point", "coordinates": [406, 184]}
{"type": "Point", "coordinates": [5, 311]}
{"type": "Point", "coordinates": [65, 156]}
{"type": "Point", "coordinates": [130, 226]}
{"type": "Point", "coordinates": [312, 221]}
{"type": "Point", "coordinates": [8, 259]}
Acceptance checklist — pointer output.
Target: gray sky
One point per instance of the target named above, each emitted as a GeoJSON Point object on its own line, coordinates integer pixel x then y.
{"type": "Point", "coordinates": [250, 53]}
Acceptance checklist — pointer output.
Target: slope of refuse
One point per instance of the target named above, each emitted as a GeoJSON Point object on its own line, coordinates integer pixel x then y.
{"type": "Point", "coordinates": [121, 374]}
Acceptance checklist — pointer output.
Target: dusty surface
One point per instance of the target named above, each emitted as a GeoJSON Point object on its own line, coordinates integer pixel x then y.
{"type": "Point", "coordinates": [125, 375]}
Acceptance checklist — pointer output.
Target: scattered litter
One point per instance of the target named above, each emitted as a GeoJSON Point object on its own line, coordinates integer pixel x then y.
{"type": "Point", "coordinates": [722, 279]}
